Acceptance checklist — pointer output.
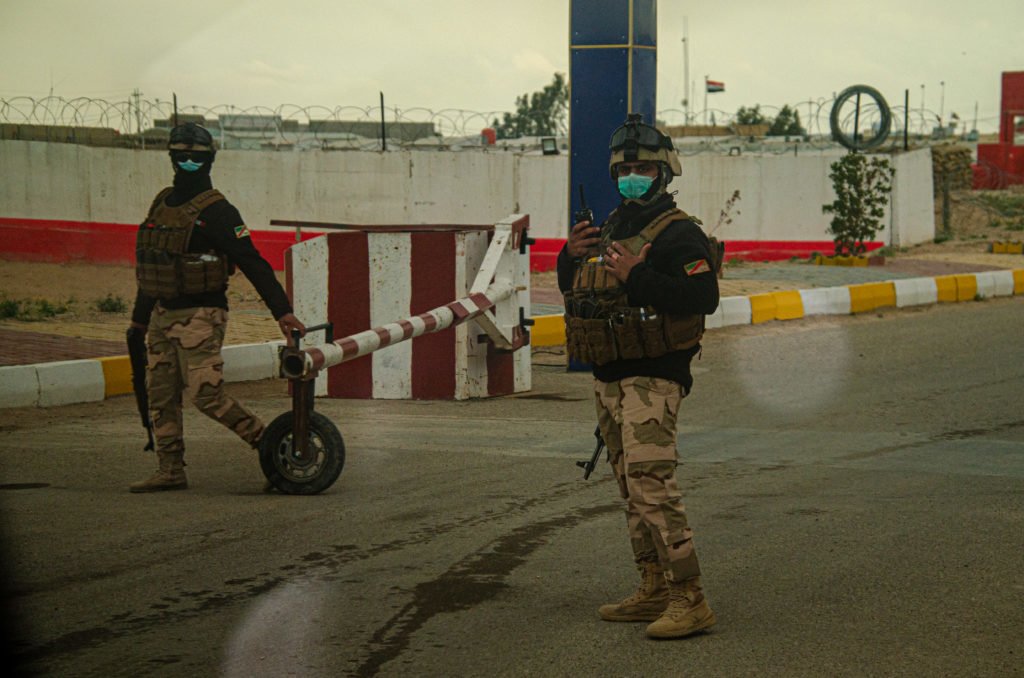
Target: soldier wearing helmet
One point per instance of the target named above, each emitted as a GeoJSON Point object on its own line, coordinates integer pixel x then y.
{"type": "Point", "coordinates": [637, 288]}
{"type": "Point", "coordinates": [186, 249]}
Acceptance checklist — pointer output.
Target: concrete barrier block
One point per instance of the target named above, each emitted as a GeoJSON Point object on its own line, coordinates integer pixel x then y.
{"type": "Point", "coordinates": [117, 375]}
{"type": "Point", "coordinates": [70, 381]}
{"type": "Point", "coordinates": [788, 305]}
{"type": "Point", "coordinates": [869, 296]}
{"type": "Point", "coordinates": [19, 386]}
{"type": "Point", "coordinates": [945, 286]}
{"type": "Point", "coordinates": [826, 301]}
{"type": "Point", "coordinates": [735, 311]}
{"type": "Point", "coordinates": [915, 292]}
{"type": "Point", "coordinates": [966, 287]}
{"type": "Point", "coordinates": [985, 285]}
{"type": "Point", "coordinates": [762, 308]}
{"type": "Point", "coordinates": [1001, 283]}
{"type": "Point", "coordinates": [548, 330]}
{"type": "Point", "coordinates": [715, 319]}
{"type": "Point", "coordinates": [250, 362]}
{"type": "Point", "coordinates": [1018, 281]}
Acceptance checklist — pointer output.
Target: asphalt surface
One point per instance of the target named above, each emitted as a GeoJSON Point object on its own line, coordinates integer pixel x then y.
{"type": "Point", "coordinates": [855, 485]}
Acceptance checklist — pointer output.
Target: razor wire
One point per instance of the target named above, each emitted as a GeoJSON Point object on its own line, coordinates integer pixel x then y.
{"type": "Point", "coordinates": [141, 122]}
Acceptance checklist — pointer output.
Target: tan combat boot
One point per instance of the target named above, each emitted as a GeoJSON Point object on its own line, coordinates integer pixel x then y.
{"type": "Point", "coordinates": [647, 604]}
{"type": "Point", "coordinates": [170, 475]}
{"type": "Point", "coordinates": [687, 611]}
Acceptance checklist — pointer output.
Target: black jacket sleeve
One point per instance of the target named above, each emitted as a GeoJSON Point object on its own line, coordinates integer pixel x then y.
{"type": "Point", "coordinates": [565, 267]}
{"type": "Point", "coordinates": [143, 308]}
{"type": "Point", "coordinates": [677, 276]}
{"type": "Point", "coordinates": [228, 233]}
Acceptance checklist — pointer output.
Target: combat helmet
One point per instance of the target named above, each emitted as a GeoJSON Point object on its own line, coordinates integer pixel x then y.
{"type": "Point", "coordinates": [634, 141]}
{"type": "Point", "coordinates": [191, 137]}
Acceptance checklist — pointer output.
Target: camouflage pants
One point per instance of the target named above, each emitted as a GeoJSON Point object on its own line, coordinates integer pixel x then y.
{"type": "Point", "coordinates": [637, 418]}
{"type": "Point", "coordinates": [184, 357]}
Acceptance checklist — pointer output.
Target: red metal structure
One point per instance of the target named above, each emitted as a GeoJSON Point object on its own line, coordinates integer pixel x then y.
{"type": "Point", "coordinates": [1002, 164]}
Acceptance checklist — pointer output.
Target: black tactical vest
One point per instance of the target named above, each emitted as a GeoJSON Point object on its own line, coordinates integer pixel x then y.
{"type": "Point", "coordinates": [164, 268]}
{"type": "Point", "coordinates": [601, 326]}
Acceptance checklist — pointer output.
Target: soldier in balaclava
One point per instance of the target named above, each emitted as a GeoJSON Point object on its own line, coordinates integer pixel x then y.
{"type": "Point", "coordinates": [186, 249]}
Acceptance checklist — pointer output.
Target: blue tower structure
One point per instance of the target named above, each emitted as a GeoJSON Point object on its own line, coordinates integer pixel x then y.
{"type": "Point", "coordinates": [612, 72]}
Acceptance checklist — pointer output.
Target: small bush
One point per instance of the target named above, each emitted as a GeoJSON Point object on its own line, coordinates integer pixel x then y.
{"type": "Point", "coordinates": [111, 304]}
{"type": "Point", "coordinates": [9, 308]}
{"type": "Point", "coordinates": [48, 310]}
{"type": "Point", "coordinates": [29, 310]}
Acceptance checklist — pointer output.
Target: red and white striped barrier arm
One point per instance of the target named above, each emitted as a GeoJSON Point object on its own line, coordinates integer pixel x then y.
{"type": "Point", "coordinates": [308, 361]}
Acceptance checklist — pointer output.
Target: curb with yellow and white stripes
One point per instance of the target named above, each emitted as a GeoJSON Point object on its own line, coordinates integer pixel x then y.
{"type": "Point", "coordinates": [77, 381]}
{"type": "Point", "coordinates": [549, 330]}
{"type": "Point", "coordinates": [66, 382]}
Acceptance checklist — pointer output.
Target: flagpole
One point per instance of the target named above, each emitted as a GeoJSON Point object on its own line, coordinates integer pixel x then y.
{"type": "Point", "coordinates": [705, 100]}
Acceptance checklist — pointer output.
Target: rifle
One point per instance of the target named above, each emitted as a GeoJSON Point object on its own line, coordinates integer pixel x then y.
{"type": "Point", "coordinates": [588, 466]}
{"type": "Point", "coordinates": [136, 340]}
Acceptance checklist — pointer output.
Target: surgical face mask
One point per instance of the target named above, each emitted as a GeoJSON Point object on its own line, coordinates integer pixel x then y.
{"type": "Point", "coordinates": [190, 165]}
{"type": "Point", "coordinates": [190, 161]}
{"type": "Point", "coordinates": [634, 185]}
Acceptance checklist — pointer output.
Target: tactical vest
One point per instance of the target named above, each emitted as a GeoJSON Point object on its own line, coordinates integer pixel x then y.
{"type": "Point", "coordinates": [601, 326]}
{"type": "Point", "coordinates": [164, 268]}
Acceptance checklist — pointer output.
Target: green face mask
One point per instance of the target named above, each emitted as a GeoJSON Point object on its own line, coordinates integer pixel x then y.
{"type": "Point", "coordinates": [634, 186]}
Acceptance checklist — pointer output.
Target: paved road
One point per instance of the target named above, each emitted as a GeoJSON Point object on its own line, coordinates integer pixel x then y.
{"type": "Point", "coordinates": [856, 485]}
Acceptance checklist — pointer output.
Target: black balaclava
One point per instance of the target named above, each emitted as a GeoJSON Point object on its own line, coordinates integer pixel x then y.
{"type": "Point", "coordinates": [192, 152]}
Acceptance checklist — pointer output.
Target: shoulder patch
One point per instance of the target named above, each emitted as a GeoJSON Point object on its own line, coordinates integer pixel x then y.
{"type": "Point", "coordinates": [695, 267]}
{"type": "Point", "coordinates": [241, 231]}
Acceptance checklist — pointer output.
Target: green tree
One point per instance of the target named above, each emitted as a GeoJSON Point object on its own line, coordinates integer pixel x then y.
{"type": "Point", "coordinates": [861, 187]}
{"type": "Point", "coordinates": [786, 124]}
{"type": "Point", "coordinates": [539, 114]}
{"type": "Point", "coordinates": [751, 116]}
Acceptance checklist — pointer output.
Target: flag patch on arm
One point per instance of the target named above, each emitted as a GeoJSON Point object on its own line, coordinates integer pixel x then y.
{"type": "Point", "coordinates": [695, 267]}
{"type": "Point", "coordinates": [241, 231]}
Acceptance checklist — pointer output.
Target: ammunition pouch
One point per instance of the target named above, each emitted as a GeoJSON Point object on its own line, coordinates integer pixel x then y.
{"type": "Point", "coordinates": [629, 336]}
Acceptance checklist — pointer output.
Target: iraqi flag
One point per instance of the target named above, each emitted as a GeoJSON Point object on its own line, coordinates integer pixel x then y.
{"type": "Point", "coordinates": [714, 86]}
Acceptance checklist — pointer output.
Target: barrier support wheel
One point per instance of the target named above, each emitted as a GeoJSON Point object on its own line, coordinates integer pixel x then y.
{"type": "Point", "coordinates": [308, 472]}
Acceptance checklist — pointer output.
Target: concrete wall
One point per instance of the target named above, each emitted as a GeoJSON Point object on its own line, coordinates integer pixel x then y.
{"type": "Point", "coordinates": [781, 195]}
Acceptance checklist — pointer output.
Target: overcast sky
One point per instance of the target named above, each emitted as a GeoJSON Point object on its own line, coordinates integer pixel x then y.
{"type": "Point", "coordinates": [461, 54]}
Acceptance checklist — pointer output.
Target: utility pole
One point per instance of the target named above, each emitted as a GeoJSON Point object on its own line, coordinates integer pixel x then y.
{"type": "Point", "coordinates": [138, 116]}
{"type": "Point", "coordinates": [686, 69]}
{"type": "Point", "coordinates": [942, 100]}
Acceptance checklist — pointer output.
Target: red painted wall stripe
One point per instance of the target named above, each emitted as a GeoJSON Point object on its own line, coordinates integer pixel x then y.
{"type": "Point", "coordinates": [348, 307]}
{"type": "Point", "coordinates": [432, 271]}
{"type": "Point", "coordinates": [60, 241]}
